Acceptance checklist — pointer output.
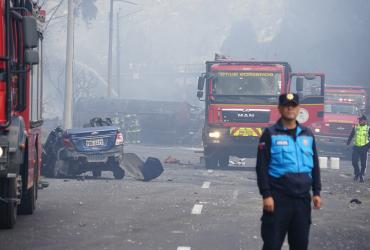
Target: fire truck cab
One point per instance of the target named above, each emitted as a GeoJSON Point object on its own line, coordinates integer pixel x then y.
{"type": "Point", "coordinates": [20, 107]}
{"type": "Point", "coordinates": [241, 100]}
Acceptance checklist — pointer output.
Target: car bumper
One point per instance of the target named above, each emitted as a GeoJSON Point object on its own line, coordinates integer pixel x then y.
{"type": "Point", "coordinates": [115, 154]}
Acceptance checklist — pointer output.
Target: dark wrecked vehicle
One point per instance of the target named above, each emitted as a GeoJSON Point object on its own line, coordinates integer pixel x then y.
{"type": "Point", "coordinates": [97, 148]}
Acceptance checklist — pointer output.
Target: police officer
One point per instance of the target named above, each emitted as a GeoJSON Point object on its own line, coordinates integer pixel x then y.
{"type": "Point", "coordinates": [287, 167]}
{"type": "Point", "coordinates": [361, 133]}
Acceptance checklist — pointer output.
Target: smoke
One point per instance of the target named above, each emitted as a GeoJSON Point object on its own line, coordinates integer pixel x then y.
{"type": "Point", "coordinates": [323, 36]}
{"type": "Point", "coordinates": [163, 44]}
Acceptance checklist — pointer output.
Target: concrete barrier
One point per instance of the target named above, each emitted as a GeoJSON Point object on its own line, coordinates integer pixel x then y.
{"type": "Point", "coordinates": [323, 161]}
{"type": "Point", "coordinates": [334, 163]}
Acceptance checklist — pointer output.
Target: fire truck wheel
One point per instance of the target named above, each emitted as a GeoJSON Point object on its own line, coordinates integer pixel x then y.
{"type": "Point", "coordinates": [96, 173]}
{"type": "Point", "coordinates": [28, 201]}
{"type": "Point", "coordinates": [211, 162]}
{"type": "Point", "coordinates": [224, 161]}
{"type": "Point", "coordinates": [8, 210]}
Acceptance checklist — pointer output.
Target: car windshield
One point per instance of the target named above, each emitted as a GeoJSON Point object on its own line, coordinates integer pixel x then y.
{"type": "Point", "coordinates": [348, 109]}
{"type": "Point", "coordinates": [246, 84]}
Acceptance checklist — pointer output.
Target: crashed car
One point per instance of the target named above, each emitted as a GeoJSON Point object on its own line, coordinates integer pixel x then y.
{"type": "Point", "coordinates": [75, 151]}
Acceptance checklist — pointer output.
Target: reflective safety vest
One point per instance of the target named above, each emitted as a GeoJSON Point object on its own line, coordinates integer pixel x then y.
{"type": "Point", "coordinates": [361, 135]}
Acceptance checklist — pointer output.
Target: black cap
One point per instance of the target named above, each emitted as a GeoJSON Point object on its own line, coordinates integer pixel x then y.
{"type": "Point", "coordinates": [289, 98]}
{"type": "Point", "coordinates": [363, 118]}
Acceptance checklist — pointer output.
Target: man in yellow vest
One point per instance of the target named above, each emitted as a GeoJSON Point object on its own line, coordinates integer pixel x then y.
{"type": "Point", "coordinates": [361, 134]}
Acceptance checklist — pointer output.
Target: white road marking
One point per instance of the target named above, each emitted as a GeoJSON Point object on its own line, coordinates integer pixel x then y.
{"type": "Point", "coordinates": [197, 209]}
{"type": "Point", "coordinates": [206, 184]}
{"type": "Point", "coordinates": [344, 176]}
{"type": "Point", "coordinates": [235, 195]}
{"type": "Point", "coordinates": [184, 248]}
{"type": "Point", "coordinates": [210, 171]}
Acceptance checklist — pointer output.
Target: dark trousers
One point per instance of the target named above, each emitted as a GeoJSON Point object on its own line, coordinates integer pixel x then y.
{"type": "Point", "coordinates": [359, 154]}
{"type": "Point", "coordinates": [291, 215]}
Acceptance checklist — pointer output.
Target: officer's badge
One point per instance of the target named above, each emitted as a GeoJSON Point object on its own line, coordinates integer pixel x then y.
{"type": "Point", "coordinates": [290, 96]}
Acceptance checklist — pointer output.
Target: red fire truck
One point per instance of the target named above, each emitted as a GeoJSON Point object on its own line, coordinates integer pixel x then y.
{"type": "Point", "coordinates": [20, 107]}
{"type": "Point", "coordinates": [333, 133]}
{"type": "Point", "coordinates": [241, 100]}
{"type": "Point", "coordinates": [347, 93]}
{"type": "Point", "coordinates": [343, 105]}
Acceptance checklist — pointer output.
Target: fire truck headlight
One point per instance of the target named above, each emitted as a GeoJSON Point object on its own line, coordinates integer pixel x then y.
{"type": "Point", "coordinates": [1, 152]}
{"type": "Point", "coordinates": [317, 130]}
{"type": "Point", "coordinates": [214, 134]}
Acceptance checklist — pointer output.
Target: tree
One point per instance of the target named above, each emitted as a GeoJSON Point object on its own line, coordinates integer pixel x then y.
{"type": "Point", "coordinates": [86, 9]}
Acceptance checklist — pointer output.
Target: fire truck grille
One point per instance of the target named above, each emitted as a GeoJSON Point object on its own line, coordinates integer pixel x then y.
{"type": "Point", "coordinates": [247, 116]}
{"type": "Point", "coordinates": [340, 128]}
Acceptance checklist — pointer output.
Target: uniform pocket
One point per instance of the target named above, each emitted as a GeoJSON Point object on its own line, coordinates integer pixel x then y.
{"type": "Point", "coordinates": [289, 155]}
{"type": "Point", "coordinates": [276, 155]}
{"type": "Point", "coordinates": [307, 156]}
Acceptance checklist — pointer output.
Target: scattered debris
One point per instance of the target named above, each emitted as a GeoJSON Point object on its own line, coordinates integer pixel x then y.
{"type": "Point", "coordinates": [356, 201]}
{"type": "Point", "coordinates": [43, 184]}
{"type": "Point", "coordinates": [80, 178]}
{"type": "Point", "coordinates": [82, 224]}
{"type": "Point", "coordinates": [240, 162]}
{"type": "Point", "coordinates": [171, 160]}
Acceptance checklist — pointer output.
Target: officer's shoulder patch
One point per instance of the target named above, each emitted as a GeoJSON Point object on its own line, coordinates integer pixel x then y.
{"type": "Point", "coordinates": [282, 142]}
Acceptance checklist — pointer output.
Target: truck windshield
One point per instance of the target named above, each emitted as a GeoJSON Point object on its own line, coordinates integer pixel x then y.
{"type": "Point", "coordinates": [347, 109]}
{"type": "Point", "coordinates": [347, 97]}
{"type": "Point", "coordinates": [246, 83]}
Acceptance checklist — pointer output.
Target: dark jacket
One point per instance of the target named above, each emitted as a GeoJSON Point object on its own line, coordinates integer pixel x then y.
{"type": "Point", "coordinates": [288, 162]}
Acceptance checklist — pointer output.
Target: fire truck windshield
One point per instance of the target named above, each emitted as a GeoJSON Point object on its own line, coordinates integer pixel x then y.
{"type": "Point", "coordinates": [348, 109]}
{"type": "Point", "coordinates": [246, 84]}
{"type": "Point", "coordinates": [339, 97]}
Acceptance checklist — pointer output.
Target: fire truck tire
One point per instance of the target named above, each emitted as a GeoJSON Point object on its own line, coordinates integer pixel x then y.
{"type": "Point", "coordinates": [211, 162]}
{"type": "Point", "coordinates": [8, 210]}
{"type": "Point", "coordinates": [28, 201]}
{"type": "Point", "coordinates": [224, 160]}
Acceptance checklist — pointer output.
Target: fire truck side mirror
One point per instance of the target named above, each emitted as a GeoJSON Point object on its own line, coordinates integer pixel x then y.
{"type": "Point", "coordinates": [299, 84]}
{"type": "Point", "coordinates": [200, 94]}
{"type": "Point", "coordinates": [31, 36]}
{"type": "Point", "coordinates": [201, 83]}
{"type": "Point", "coordinates": [31, 57]}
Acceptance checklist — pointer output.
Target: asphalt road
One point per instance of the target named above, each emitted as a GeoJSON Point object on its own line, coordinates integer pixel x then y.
{"type": "Point", "coordinates": [188, 207]}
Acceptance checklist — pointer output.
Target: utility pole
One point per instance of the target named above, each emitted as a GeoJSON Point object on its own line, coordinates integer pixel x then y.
{"type": "Point", "coordinates": [110, 50]}
{"type": "Point", "coordinates": [109, 87]}
{"type": "Point", "coordinates": [118, 56]}
{"type": "Point", "coordinates": [67, 121]}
